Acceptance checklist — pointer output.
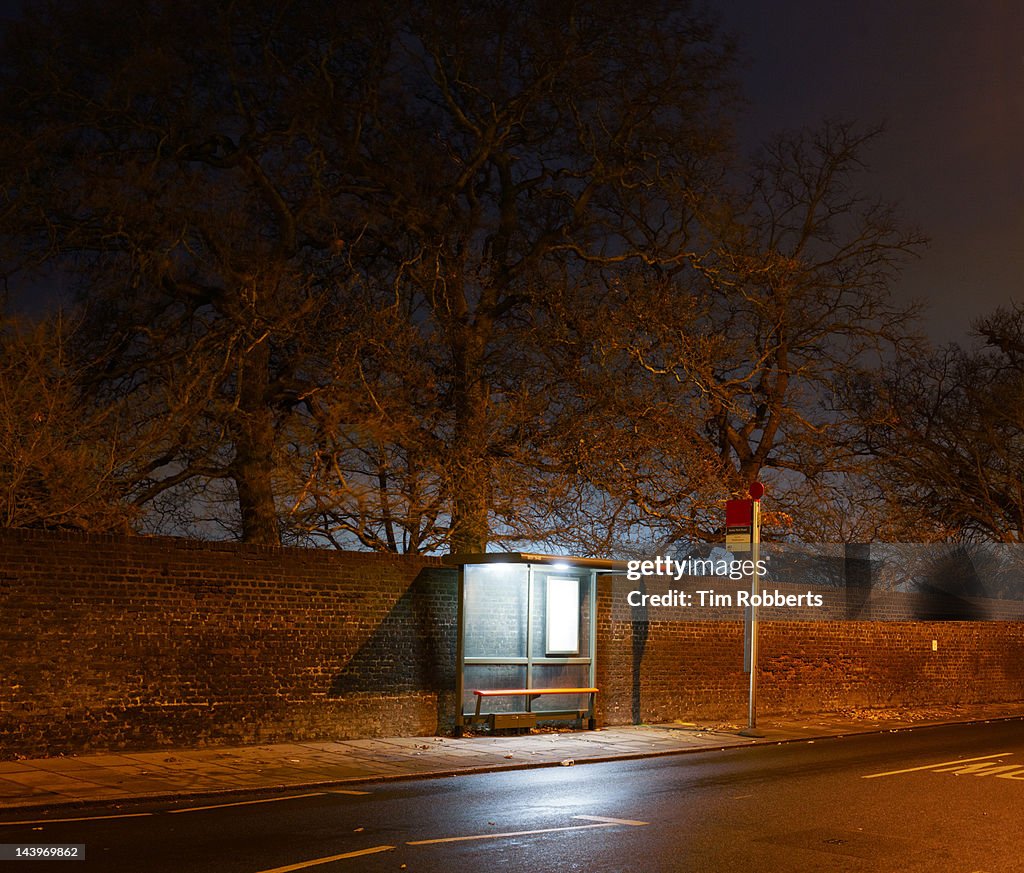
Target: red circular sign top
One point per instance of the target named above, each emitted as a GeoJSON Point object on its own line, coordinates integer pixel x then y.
{"type": "Point", "coordinates": [756, 490]}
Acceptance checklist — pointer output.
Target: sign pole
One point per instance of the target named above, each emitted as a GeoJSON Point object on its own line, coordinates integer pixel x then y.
{"type": "Point", "coordinates": [756, 493]}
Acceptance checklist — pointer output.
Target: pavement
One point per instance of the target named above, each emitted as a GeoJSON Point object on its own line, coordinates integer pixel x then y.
{"type": "Point", "coordinates": [175, 773]}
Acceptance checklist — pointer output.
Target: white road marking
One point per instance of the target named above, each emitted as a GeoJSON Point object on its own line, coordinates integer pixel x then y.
{"type": "Point", "coordinates": [45, 821]}
{"type": "Point", "coordinates": [987, 768]}
{"type": "Point", "coordinates": [303, 864]}
{"type": "Point", "coordinates": [621, 821]}
{"type": "Point", "coordinates": [600, 821]}
{"type": "Point", "coordinates": [244, 803]}
{"type": "Point", "coordinates": [347, 791]}
{"type": "Point", "coordinates": [934, 766]}
{"type": "Point", "coordinates": [508, 834]}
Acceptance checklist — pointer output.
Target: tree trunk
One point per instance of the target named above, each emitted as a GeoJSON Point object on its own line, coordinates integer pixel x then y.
{"type": "Point", "coordinates": [253, 465]}
{"type": "Point", "coordinates": [470, 472]}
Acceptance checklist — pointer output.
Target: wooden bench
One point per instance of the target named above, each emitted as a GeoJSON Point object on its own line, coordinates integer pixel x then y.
{"type": "Point", "coordinates": [529, 718]}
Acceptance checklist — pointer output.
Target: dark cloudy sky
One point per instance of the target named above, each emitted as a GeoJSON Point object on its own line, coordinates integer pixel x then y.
{"type": "Point", "coordinates": [947, 78]}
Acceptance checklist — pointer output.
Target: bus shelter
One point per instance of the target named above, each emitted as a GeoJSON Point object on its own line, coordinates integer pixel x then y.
{"type": "Point", "coordinates": [526, 638]}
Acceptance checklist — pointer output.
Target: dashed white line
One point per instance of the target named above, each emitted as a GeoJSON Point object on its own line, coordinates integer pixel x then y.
{"type": "Point", "coordinates": [598, 822]}
{"type": "Point", "coordinates": [606, 820]}
{"type": "Point", "coordinates": [46, 821]}
{"type": "Point", "coordinates": [244, 803]}
{"type": "Point", "coordinates": [506, 834]}
{"type": "Point", "coordinates": [301, 865]}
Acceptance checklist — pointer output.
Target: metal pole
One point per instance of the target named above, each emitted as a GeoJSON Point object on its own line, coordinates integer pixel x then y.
{"type": "Point", "coordinates": [460, 651]}
{"type": "Point", "coordinates": [755, 550]}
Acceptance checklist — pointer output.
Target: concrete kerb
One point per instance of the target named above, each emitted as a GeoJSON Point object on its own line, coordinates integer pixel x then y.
{"type": "Point", "coordinates": [740, 743]}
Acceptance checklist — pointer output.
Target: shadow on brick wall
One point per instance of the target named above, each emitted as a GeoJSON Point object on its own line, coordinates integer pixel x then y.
{"type": "Point", "coordinates": [413, 649]}
{"type": "Point", "coordinates": [641, 629]}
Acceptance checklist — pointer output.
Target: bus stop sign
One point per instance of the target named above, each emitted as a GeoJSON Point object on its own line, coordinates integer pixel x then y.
{"type": "Point", "coordinates": [739, 525]}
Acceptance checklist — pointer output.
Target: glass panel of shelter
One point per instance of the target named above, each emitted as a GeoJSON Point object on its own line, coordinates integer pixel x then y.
{"type": "Point", "coordinates": [526, 626]}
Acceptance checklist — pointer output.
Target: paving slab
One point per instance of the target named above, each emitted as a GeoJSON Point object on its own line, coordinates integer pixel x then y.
{"type": "Point", "coordinates": [176, 773]}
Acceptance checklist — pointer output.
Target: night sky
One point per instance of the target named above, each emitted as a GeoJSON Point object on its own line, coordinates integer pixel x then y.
{"type": "Point", "coordinates": [947, 78]}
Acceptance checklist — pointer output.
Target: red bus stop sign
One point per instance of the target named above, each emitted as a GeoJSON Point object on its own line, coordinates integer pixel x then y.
{"type": "Point", "coordinates": [739, 525]}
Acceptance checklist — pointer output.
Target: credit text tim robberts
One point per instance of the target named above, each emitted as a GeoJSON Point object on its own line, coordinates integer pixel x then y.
{"type": "Point", "coordinates": [735, 570]}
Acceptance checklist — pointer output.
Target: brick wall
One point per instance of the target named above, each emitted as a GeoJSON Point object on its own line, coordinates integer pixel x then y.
{"type": "Point", "coordinates": [654, 667]}
{"type": "Point", "coordinates": [111, 643]}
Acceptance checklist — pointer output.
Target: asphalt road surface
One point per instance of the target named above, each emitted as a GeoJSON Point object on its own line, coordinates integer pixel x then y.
{"type": "Point", "coordinates": [932, 799]}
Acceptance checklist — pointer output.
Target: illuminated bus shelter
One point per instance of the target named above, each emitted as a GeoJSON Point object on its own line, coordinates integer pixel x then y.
{"type": "Point", "coordinates": [526, 633]}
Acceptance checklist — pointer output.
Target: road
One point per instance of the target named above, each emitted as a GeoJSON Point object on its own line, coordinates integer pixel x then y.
{"type": "Point", "coordinates": [932, 799]}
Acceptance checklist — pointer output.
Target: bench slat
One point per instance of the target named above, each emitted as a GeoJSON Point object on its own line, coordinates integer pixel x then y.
{"type": "Point", "coordinates": [530, 694]}
{"type": "Point", "coordinates": [498, 692]}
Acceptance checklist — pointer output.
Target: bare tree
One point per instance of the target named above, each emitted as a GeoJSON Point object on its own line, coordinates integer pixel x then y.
{"type": "Point", "coordinates": [413, 276]}
{"type": "Point", "coordinates": [184, 166]}
{"type": "Point", "coordinates": [232, 182]}
{"type": "Point", "coordinates": [516, 157]}
{"type": "Point", "coordinates": [948, 438]}
{"type": "Point", "coordinates": [64, 459]}
{"type": "Point", "coordinates": [752, 344]}
{"type": "Point", "coordinates": [536, 147]}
